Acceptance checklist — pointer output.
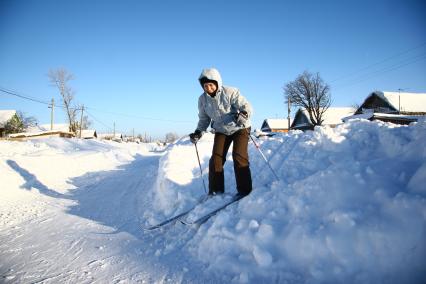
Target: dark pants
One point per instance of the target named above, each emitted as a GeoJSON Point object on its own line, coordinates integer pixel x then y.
{"type": "Point", "coordinates": [240, 157]}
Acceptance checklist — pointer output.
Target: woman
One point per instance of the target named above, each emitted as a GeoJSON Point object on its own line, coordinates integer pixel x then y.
{"type": "Point", "coordinates": [228, 113]}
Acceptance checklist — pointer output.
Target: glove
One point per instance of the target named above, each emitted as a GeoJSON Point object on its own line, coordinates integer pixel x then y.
{"type": "Point", "coordinates": [194, 137]}
{"type": "Point", "coordinates": [241, 118]}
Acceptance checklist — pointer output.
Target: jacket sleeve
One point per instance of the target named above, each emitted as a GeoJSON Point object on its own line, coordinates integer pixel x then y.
{"type": "Point", "coordinates": [203, 119]}
{"type": "Point", "coordinates": [240, 103]}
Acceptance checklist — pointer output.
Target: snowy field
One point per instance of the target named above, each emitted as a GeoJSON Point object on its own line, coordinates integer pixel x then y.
{"type": "Point", "coordinates": [349, 207]}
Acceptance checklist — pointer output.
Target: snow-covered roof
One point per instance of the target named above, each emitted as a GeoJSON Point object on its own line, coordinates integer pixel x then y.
{"type": "Point", "coordinates": [276, 123]}
{"type": "Point", "coordinates": [6, 115]}
{"type": "Point", "coordinates": [334, 115]}
{"type": "Point", "coordinates": [46, 127]}
{"type": "Point", "coordinates": [110, 136]}
{"type": "Point", "coordinates": [385, 117]}
{"type": "Point", "coordinates": [404, 102]}
{"type": "Point", "coordinates": [88, 133]}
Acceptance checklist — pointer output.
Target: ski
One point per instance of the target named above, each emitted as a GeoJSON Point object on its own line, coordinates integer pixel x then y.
{"type": "Point", "coordinates": [176, 217]}
{"type": "Point", "coordinates": [207, 216]}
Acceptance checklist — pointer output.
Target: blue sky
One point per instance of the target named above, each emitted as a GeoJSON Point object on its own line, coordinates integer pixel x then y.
{"type": "Point", "coordinates": [136, 63]}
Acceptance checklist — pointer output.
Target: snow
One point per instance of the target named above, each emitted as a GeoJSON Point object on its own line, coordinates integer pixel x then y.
{"type": "Point", "coordinates": [5, 115]}
{"type": "Point", "coordinates": [332, 116]}
{"type": "Point", "coordinates": [406, 102]}
{"type": "Point", "coordinates": [275, 123]}
{"type": "Point", "coordinates": [47, 127]}
{"type": "Point", "coordinates": [350, 206]}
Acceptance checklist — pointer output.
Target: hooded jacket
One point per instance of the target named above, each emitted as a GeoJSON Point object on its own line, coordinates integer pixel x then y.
{"type": "Point", "coordinates": [220, 110]}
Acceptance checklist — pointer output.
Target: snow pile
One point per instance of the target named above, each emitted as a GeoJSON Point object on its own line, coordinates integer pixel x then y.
{"type": "Point", "coordinates": [349, 207]}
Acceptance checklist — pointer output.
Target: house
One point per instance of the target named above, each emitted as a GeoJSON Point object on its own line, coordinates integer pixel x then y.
{"type": "Point", "coordinates": [5, 116]}
{"type": "Point", "coordinates": [395, 107]}
{"type": "Point", "coordinates": [87, 134]}
{"type": "Point", "coordinates": [36, 135]}
{"type": "Point", "coordinates": [118, 137]}
{"type": "Point", "coordinates": [64, 127]}
{"type": "Point", "coordinates": [43, 131]}
{"type": "Point", "coordinates": [275, 125]}
{"type": "Point", "coordinates": [332, 117]}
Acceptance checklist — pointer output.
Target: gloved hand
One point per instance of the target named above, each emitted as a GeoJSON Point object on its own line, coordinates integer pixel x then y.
{"type": "Point", "coordinates": [194, 137]}
{"type": "Point", "coordinates": [241, 118]}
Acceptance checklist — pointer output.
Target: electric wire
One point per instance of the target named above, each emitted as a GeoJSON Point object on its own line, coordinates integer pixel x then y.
{"type": "Point", "coordinates": [379, 62]}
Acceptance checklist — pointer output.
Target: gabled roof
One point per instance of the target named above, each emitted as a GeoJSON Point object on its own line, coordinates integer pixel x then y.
{"type": "Point", "coordinates": [46, 127]}
{"type": "Point", "coordinates": [276, 123]}
{"type": "Point", "coordinates": [403, 102]}
{"type": "Point", "coordinates": [6, 115]}
{"type": "Point", "coordinates": [332, 116]}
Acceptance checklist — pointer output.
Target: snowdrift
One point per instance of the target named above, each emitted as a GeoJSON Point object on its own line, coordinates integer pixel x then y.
{"type": "Point", "coordinates": [349, 206]}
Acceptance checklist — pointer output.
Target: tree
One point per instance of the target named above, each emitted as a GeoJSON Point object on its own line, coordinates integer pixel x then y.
{"type": "Point", "coordinates": [311, 93]}
{"type": "Point", "coordinates": [60, 78]}
{"type": "Point", "coordinates": [19, 123]}
{"type": "Point", "coordinates": [171, 137]}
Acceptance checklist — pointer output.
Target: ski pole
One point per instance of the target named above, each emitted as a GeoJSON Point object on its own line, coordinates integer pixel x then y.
{"type": "Point", "coordinates": [261, 153]}
{"type": "Point", "coordinates": [201, 170]}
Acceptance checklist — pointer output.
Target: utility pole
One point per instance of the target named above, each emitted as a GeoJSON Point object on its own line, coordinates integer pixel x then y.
{"type": "Point", "coordinates": [399, 100]}
{"type": "Point", "coordinates": [288, 112]}
{"type": "Point", "coordinates": [81, 119]}
{"type": "Point", "coordinates": [114, 131]}
{"type": "Point", "coordinates": [133, 135]}
{"type": "Point", "coordinates": [52, 106]}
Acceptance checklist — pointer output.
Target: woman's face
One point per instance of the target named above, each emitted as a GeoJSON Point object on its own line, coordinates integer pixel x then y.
{"type": "Point", "coordinates": [210, 88]}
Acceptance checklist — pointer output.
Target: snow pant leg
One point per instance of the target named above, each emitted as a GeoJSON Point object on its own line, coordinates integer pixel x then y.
{"type": "Point", "coordinates": [216, 176]}
{"type": "Point", "coordinates": [241, 161]}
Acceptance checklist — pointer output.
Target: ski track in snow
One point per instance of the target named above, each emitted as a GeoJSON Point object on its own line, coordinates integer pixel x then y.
{"type": "Point", "coordinates": [91, 234]}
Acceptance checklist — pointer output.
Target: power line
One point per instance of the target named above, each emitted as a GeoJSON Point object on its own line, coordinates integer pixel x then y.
{"type": "Point", "coordinates": [100, 122]}
{"type": "Point", "coordinates": [384, 70]}
{"type": "Point", "coordinates": [379, 62]}
{"type": "Point", "coordinates": [22, 96]}
{"type": "Point", "coordinates": [25, 97]}
{"type": "Point", "coordinates": [13, 93]}
{"type": "Point", "coordinates": [140, 117]}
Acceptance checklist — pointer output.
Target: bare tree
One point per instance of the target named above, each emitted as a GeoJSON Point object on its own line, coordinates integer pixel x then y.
{"type": "Point", "coordinates": [311, 93]}
{"type": "Point", "coordinates": [60, 78]}
{"type": "Point", "coordinates": [171, 137]}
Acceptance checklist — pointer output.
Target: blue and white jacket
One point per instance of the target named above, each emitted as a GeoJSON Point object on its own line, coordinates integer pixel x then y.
{"type": "Point", "coordinates": [219, 111]}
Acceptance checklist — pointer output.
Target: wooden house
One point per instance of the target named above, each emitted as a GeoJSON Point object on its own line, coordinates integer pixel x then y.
{"type": "Point", "coordinates": [275, 125]}
{"type": "Point", "coordinates": [332, 117]}
{"type": "Point", "coordinates": [43, 131]}
{"type": "Point", "coordinates": [87, 134]}
{"type": "Point", "coordinates": [395, 107]}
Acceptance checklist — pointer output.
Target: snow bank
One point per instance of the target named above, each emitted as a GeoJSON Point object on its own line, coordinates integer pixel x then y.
{"type": "Point", "coordinates": [349, 207]}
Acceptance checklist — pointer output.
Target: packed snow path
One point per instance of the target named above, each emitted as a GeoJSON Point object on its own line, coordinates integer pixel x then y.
{"type": "Point", "coordinates": [350, 207]}
{"type": "Point", "coordinates": [90, 234]}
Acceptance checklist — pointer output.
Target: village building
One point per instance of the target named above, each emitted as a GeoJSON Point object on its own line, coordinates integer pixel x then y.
{"type": "Point", "coordinates": [395, 107]}
{"type": "Point", "coordinates": [117, 137]}
{"type": "Point", "coordinates": [332, 117]}
{"type": "Point", "coordinates": [275, 125]}
{"type": "Point", "coordinates": [5, 116]}
{"type": "Point", "coordinates": [43, 131]}
{"type": "Point", "coordinates": [87, 134]}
